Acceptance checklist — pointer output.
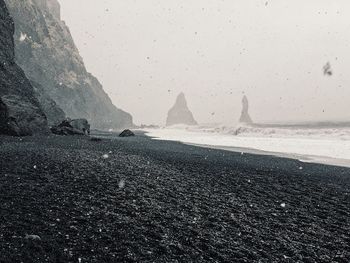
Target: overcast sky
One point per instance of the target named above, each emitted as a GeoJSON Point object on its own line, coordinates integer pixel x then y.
{"type": "Point", "coordinates": [145, 52]}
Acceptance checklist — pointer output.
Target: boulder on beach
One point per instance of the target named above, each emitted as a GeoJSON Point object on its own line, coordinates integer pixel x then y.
{"type": "Point", "coordinates": [180, 113]}
{"type": "Point", "coordinates": [127, 133]}
{"type": "Point", "coordinates": [245, 118]}
{"type": "Point", "coordinates": [95, 139]}
{"type": "Point", "coordinates": [72, 127]}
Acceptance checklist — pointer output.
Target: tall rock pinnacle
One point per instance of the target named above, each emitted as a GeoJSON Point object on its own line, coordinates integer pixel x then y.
{"type": "Point", "coordinates": [245, 118]}
{"type": "Point", "coordinates": [180, 113]}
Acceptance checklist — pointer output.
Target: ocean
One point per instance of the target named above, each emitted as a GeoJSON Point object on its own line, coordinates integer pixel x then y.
{"type": "Point", "coordinates": [319, 142]}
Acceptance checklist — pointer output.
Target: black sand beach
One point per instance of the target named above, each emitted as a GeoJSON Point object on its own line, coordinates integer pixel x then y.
{"type": "Point", "coordinates": [70, 199]}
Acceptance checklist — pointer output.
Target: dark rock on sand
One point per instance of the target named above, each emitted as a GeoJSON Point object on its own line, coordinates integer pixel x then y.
{"type": "Point", "coordinates": [20, 111]}
{"type": "Point", "coordinates": [72, 127]}
{"type": "Point", "coordinates": [95, 139]}
{"type": "Point", "coordinates": [180, 113]}
{"type": "Point", "coordinates": [127, 133]}
{"type": "Point", "coordinates": [47, 53]}
{"type": "Point", "coordinates": [245, 117]}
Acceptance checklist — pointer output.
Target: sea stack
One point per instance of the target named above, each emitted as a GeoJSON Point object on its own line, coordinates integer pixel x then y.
{"type": "Point", "coordinates": [180, 113]}
{"type": "Point", "coordinates": [245, 118]}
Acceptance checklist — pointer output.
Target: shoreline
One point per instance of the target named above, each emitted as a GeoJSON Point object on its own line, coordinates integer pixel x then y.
{"type": "Point", "coordinates": [303, 158]}
{"type": "Point", "coordinates": [306, 158]}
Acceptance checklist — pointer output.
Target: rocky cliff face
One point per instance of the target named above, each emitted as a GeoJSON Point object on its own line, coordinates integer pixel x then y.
{"type": "Point", "coordinates": [20, 111]}
{"type": "Point", "coordinates": [245, 118]}
{"type": "Point", "coordinates": [180, 113]}
{"type": "Point", "coordinates": [47, 53]}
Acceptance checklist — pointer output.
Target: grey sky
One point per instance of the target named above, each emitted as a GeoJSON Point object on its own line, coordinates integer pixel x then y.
{"type": "Point", "coordinates": [146, 51]}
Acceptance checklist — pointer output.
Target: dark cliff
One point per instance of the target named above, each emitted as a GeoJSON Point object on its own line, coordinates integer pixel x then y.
{"type": "Point", "coordinates": [46, 51]}
{"type": "Point", "coordinates": [20, 111]}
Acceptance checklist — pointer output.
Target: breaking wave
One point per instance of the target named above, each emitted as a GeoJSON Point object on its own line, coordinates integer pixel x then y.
{"type": "Point", "coordinates": [307, 131]}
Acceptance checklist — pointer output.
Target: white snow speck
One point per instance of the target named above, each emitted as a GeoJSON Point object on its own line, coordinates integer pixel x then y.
{"type": "Point", "coordinates": [105, 156]}
{"type": "Point", "coordinates": [22, 37]}
{"type": "Point", "coordinates": [121, 184]}
{"type": "Point", "coordinates": [32, 237]}
{"type": "Point", "coordinates": [300, 168]}
{"type": "Point", "coordinates": [35, 167]}
{"type": "Point", "coordinates": [283, 205]}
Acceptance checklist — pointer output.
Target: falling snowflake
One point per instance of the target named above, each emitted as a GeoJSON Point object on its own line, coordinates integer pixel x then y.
{"type": "Point", "coordinates": [22, 37]}
{"type": "Point", "coordinates": [105, 156]}
{"type": "Point", "coordinates": [35, 167]}
{"type": "Point", "coordinates": [283, 205]}
{"type": "Point", "coordinates": [121, 184]}
{"type": "Point", "coordinates": [33, 237]}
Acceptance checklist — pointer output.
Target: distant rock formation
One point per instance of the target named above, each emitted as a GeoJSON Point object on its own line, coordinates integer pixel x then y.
{"type": "Point", "coordinates": [179, 113]}
{"type": "Point", "coordinates": [46, 52]}
{"type": "Point", "coordinates": [20, 111]}
{"type": "Point", "coordinates": [245, 118]}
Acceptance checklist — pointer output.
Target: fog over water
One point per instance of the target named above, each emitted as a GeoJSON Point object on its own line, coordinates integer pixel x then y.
{"type": "Point", "coordinates": [145, 52]}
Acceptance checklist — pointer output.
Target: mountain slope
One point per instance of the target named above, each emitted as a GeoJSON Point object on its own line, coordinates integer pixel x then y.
{"type": "Point", "coordinates": [20, 111]}
{"type": "Point", "coordinates": [46, 51]}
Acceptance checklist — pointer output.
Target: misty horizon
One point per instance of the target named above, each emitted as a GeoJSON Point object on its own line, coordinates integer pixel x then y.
{"type": "Point", "coordinates": [146, 53]}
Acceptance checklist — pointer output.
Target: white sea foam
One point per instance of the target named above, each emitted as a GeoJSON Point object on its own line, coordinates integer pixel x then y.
{"type": "Point", "coordinates": [324, 143]}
